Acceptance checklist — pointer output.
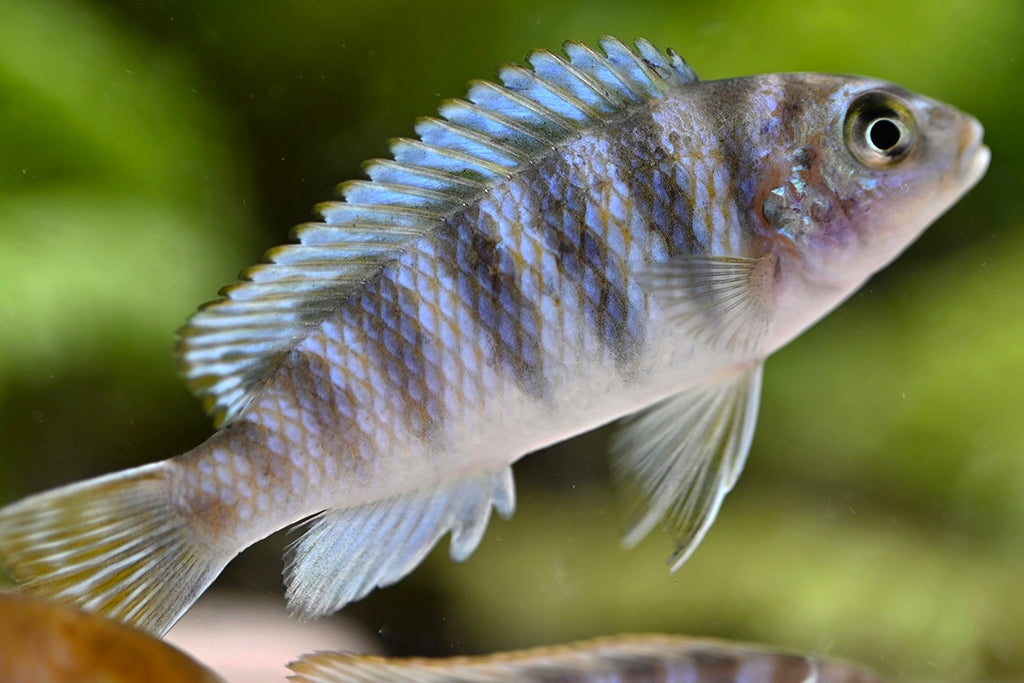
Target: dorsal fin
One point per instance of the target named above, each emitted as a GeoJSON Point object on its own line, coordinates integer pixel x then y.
{"type": "Point", "coordinates": [618, 659]}
{"type": "Point", "coordinates": [229, 346]}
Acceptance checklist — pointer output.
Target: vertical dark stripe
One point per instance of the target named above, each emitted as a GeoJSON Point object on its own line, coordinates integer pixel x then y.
{"type": "Point", "coordinates": [487, 282]}
{"type": "Point", "coordinates": [743, 143]}
{"type": "Point", "coordinates": [319, 402]}
{"type": "Point", "coordinates": [658, 185]}
{"type": "Point", "coordinates": [395, 349]}
{"type": "Point", "coordinates": [322, 408]}
{"type": "Point", "coordinates": [583, 253]}
{"type": "Point", "coordinates": [710, 665]}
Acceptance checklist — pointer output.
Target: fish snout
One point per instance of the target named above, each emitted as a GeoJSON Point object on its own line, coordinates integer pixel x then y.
{"type": "Point", "coordinates": [973, 155]}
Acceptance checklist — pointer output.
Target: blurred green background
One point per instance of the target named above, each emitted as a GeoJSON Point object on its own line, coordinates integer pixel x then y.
{"type": "Point", "coordinates": [151, 150]}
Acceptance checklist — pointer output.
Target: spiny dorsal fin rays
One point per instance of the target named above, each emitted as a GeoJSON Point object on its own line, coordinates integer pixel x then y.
{"type": "Point", "coordinates": [373, 192]}
{"type": "Point", "coordinates": [230, 346]}
{"type": "Point", "coordinates": [394, 172]}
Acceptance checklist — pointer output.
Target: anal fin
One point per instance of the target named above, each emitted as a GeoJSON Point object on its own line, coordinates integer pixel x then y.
{"type": "Point", "coordinates": [678, 459]}
{"type": "Point", "coordinates": [347, 552]}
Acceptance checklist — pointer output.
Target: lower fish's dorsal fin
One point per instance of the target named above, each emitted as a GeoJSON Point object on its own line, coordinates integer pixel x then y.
{"type": "Point", "coordinates": [678, 459]}
{"type": "Point", "coordinates": [348, 552]}
{"type": "Point", "coordinates": [618, 658]}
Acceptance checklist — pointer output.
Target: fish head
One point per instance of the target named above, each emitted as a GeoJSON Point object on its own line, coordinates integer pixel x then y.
{"type": "Point", "coordinates": [859, 169]}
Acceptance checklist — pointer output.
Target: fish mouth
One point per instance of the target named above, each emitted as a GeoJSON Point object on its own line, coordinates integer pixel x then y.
{"type": "Point", "coordinates": [974, 156]}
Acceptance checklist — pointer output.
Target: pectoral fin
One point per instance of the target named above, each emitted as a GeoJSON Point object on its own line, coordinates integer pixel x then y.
{"type": "Point", "coordinates": [721, 301]}
{"type": "Point", "coordinates": [678, 459]}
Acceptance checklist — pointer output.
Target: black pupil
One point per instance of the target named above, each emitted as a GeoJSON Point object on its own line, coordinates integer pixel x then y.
{"type": "Point", "coordinates": [884, 134]}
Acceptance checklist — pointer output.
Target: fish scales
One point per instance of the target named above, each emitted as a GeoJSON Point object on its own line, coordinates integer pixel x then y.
{"type": "Point", "coordinates": [496, 299]}
{"type": "Point", "coordinates": [598, 235]}
{"type": "Point", "coordinates": [374, 355]}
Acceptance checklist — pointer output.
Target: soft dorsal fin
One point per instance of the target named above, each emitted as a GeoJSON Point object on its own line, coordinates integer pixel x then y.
{"type": "Point", "coordinates": [229, 346]}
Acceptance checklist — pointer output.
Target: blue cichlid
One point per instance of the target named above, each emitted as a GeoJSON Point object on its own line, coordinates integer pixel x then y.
{"type": "Point", "coordinates": [620, 659]}
{"type": "Point", "coordinates": [600, 234]}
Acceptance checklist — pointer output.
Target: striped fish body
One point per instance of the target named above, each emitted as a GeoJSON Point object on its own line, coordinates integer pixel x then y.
{"type": "Point", "coordinates": [516, 324]}
{"type": "Point", "coordinates": [619, 659]}
{"type": "Point", "coordinates": [601, 234]}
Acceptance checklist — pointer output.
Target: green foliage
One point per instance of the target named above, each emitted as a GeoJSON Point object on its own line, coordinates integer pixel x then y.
{"type": "Point", "coordinates": [114, 187]}
{"type": "Point", "coordinates": [149, 151]}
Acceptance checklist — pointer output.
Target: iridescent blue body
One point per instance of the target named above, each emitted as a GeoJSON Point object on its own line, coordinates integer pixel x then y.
{"type": "Point", "coordinates": [509, 327]}
{"type": "Point", "coordinates": [598, 235]}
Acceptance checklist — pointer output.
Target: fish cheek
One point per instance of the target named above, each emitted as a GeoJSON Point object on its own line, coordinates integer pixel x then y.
{"type": "Point", "coordinates": [798, 205]}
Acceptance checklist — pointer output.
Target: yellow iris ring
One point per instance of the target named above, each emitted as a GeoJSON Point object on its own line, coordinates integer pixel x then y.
{"type": "Point", "coordinates": [880, 130]}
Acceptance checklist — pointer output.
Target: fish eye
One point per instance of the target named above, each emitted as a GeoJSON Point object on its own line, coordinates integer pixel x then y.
{"type": "Point", "coordinates": [880, 131]}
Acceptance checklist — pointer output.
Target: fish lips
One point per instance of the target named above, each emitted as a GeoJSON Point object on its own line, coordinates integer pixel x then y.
{"type": "Point", "coordinates": [974, 155]}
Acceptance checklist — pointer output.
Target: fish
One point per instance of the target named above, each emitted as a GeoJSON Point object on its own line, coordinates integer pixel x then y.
{"type": "Point", "coordinates": [597, 235]}
{"type": "Point", "coordinates": [617, 659]}
{"type": "Point", "coordinates": [49, 642]}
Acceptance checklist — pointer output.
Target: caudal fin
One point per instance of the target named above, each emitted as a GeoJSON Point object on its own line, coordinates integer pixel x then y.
{"type": "Point", "coordinates": [113, 545]}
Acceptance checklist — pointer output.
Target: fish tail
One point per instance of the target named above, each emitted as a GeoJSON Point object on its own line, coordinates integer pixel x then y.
{"type": "Point", "coordinates": [115, 545]}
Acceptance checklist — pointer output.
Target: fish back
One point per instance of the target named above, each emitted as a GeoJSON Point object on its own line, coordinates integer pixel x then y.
{"type": "Point", "coordinates": [231, 346]}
